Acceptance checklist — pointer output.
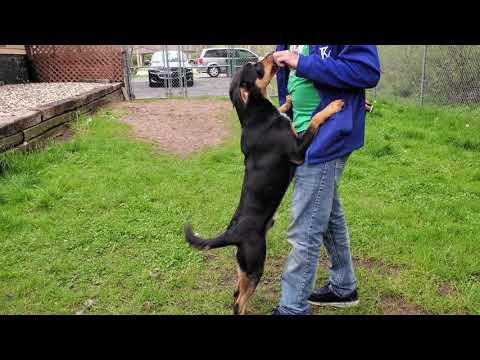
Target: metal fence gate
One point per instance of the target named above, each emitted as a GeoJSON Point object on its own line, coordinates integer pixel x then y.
{"type": "Point", "coordinates": [166, 71]}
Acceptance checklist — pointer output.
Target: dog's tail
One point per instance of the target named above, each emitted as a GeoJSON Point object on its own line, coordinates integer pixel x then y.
{"type": "Point", "coordinates": [206, 244]}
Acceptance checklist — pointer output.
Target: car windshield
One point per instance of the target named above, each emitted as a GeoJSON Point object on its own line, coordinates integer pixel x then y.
{"type": "Point", "coordinates": [159, 58]}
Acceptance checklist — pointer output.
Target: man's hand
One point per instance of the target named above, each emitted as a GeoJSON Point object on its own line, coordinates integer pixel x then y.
{"type": "Point", "coordinates": [286, 57]}
{"type": "Point", "coordinates": [368, 106]}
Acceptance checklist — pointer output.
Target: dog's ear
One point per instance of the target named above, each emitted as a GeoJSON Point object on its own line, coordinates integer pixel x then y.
{"type": "Point", "coordinates": [260, 70]}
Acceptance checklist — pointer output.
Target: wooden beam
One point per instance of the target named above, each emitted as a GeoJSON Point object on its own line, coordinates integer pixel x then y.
{"type": "Point", "coordinates": [13, 49]}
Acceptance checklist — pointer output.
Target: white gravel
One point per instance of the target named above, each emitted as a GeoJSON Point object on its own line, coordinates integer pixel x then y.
{"type": "Point", "coordinates": [18, 97]}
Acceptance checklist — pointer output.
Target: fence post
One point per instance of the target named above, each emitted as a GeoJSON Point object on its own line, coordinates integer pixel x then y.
{"type": "Point", "coordinates": [169, 78]}
{"type": "Point", "coordinates": [126, 73]}
{"type": "Point", "coordinates": [230, 57]}
{"type": "Point", "coordinates": [184, 73]}
{"type": "Point", "coordinates": [180, 70]}
{"type": "Point", "coordinates": [422, 84]}
{"type": "Point", "coordinates": [229, 64]}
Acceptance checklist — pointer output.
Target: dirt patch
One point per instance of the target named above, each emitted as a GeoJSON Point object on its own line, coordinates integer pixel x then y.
{"type": "Point", "coordinates": [179, 126]}
{"type": "Point", "coordinates": [225, 272]}
{"type": "Point", "coordinates": [66, 136]}
{"type": "Point", "coordinates": [364, 263]}
{"type": "Point", "coordinates": [395, 305]}
{"type": "Point", "coordinates": [208, 256]}
{"type": "Point", "coordinates": [445, 289]}
{"type": "Point", "coordinates": [270, 282]}
{"type": "Point", "coordinates": [372, 264]}
{"type": "Point", "coordinates": [324, 261]}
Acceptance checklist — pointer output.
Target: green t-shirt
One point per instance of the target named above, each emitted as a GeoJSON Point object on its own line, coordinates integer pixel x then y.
{"type": "Point", "coordinates": [305, 97]}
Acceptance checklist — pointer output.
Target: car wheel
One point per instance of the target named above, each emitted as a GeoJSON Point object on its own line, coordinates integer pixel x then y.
{"type": "Point", "coordinates": [213, 71]}
{"type": "Point", "coordinates": [152, 83]}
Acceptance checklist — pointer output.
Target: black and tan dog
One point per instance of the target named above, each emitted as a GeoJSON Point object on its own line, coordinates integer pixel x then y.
{"type": "Point", "coordinates": [272, 149]}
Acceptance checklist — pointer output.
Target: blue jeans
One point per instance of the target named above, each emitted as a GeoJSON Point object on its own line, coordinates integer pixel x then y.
{"type": "Point", "coordinates": [317, 218]}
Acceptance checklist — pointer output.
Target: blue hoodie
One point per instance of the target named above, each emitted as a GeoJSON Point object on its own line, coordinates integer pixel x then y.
{"type": "Point", "coordinates": [338, 72]}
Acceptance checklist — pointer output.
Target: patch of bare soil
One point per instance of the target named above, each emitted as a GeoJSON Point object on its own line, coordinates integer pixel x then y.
{"type": "Point", "coordinates": [446, 289]}
{"type": "Point", "coordinates": [268, 288]}
{"type": "Point", "coordinates": [372, 264]}
{"type": "Point", "coordinates": [217, 270]}
{"type": "Point", "coordinates": [394, 305]}
{"type": "Point", "coordinates": [66, 136]}
{"type": "Point", "coordinates": [364, 263]}
{"type": "Point", "coordinates": [179, 126]}
{"type": "Point", "coordinates": [272, 274]}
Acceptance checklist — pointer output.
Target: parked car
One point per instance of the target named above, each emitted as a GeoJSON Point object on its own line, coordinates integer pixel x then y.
{"type": "Point", "coordinates": [215, 61]}
{"type": "Point", "coordinates": [178, 69]}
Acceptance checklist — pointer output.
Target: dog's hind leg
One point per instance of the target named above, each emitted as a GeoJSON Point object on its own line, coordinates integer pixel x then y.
{"type": "Point", "coordinates": [246, 288]}
{"type": "Point", "coordinates": [236, 292]}
{"type": "Point", "coordinates": [251, 260]}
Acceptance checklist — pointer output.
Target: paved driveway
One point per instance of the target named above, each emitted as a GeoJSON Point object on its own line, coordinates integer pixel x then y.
{"type": "Point", "coordinates": [203, 85]}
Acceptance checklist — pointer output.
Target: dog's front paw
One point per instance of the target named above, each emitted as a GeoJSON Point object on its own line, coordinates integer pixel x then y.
{"type": "Point", "coordinates": [334, 107]}
{"type": "Point", "coordinates": [286, 106]}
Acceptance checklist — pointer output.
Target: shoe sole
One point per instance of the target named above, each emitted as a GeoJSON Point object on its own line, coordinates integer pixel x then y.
{"type": "Point", "coordinates": [335, 304]}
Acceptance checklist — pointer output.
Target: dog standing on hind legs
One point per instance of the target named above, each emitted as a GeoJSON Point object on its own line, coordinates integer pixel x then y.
{"type": "Point", "coordinates": [271, 150]}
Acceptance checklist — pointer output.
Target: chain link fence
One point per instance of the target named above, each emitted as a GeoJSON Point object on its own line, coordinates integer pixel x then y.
{"type": "Point", "coordinates": [430, 74]}
{"type": "Point", "coordinates": [424, 74]}
{"type": "Point", "coordinates": [163, 71]}
{"type": "Point", "coordinates": [165, 68]}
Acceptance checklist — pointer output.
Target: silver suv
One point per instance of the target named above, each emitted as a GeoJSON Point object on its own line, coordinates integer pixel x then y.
{"type": "Point", "coordinates": [215, 61]}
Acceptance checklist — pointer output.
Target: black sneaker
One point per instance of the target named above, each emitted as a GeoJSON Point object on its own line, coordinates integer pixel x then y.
{"type": "Point", "coordinates": [326, 297]}
{"type": "Point", "coordinates": [275, 312]}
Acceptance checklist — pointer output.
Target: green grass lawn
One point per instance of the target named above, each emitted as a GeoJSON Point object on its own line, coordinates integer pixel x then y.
{"type": "Point", "coordinates": [100, 217]}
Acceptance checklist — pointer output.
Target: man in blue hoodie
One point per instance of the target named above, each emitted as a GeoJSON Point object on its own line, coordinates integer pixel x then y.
{"type": "Point", "coordinates": [313, 76]}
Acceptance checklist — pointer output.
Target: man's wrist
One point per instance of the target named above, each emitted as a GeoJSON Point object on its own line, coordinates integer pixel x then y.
{"type": "Point", "coordinates": [300, 70]}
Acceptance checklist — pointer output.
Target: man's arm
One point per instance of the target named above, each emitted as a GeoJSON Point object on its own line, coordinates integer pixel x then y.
{"type": "Point", "coordinates": [297, 149]}
{"type": "Point", "coordinates": [356, 66]}
{"type": "Point", "coordinates": [282, 79]}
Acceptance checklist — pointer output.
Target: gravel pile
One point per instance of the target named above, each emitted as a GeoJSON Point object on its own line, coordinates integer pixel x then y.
{"type": "Point", "coordinates": [18, 97]}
